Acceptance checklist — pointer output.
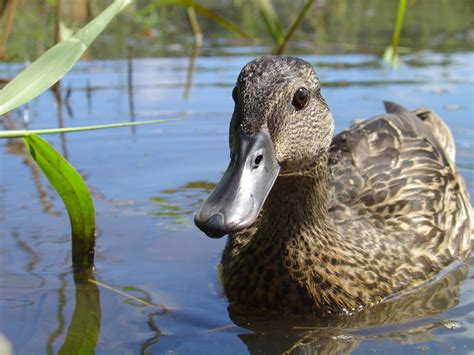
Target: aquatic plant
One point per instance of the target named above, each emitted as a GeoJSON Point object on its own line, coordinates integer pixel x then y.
{"type": "Point", "coordinates": [33, 81]}
{"type": "Point", "coordinates": [390, 54]}
{"type": "Point", "coordinates": [50, 67]}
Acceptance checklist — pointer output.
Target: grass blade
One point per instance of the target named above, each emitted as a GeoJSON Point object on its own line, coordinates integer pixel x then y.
{"type": "Point", "coordinates": [294, 26]}
{"type": "Point", "coordinates": [7, 27]}
{"type": "Point", "coordinates": [402, 4]}
{"type": "Point", "coordinates": [211, 15]}
{"type": "Point", "coordinates": [197, 33]}
{"type": "Point", "coordinates": [273, 24]}
{"type": "Point", "coordinates": [56, 62]}
{"type": "Point", "coordinates": [391, 55]}
{"type": "Point", "coordinates": [25, 133]}
{"type": "Point", "coordinates": [200, 9]}
{"type": "Point", "coordinates": [75, 195]}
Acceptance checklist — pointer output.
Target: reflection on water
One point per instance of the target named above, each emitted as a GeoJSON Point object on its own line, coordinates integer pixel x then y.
{"type": "Point", "coordinates": [84, 329]}
{"type": "Point", "coordinates": [16, 147]}
{"type": "Point", "coordinates": [59, 314]}
{"type": "Point", "coordinates": [155, 288]}
{"type": "Point", "coordinates": [178, 206]}
{"type": "Point", "coordinates": [144, 347]}
{"type": "Point", "coordinates": [408, 319]}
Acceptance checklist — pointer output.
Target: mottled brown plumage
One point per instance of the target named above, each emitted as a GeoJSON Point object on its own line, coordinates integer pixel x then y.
{"type": "Point", "coordinates": [376, 210]}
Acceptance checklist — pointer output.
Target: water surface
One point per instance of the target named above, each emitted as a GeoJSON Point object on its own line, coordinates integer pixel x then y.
{"type": "Point", "coordinates": [146, 184]}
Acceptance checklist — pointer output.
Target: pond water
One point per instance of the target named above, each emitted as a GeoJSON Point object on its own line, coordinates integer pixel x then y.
{"type": "Point", "coordinates": [147, 182]}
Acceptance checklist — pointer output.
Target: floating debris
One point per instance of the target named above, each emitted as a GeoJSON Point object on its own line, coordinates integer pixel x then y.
{"type": "Point", "coordinates": [453, 107]}
{"type": "Point", "coordinates": [422, 348]}
{"type": "Point", "coordinates": [451, 324]}
{"type": "Point", "coordinates": [343, 337]}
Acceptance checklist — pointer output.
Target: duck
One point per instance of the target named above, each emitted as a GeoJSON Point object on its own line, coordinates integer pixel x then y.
{"type": "Point", "coordinates": [318, 223]}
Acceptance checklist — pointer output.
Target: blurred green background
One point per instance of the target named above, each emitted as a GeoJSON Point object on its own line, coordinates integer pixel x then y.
{"type": "Point", "coordinates": [162, 28]}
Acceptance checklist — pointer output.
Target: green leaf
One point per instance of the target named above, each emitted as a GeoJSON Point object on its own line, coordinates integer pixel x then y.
{"type": "Point", "coordinates": [25, 133]}
{"type": "Point", "coordinates": [56, 62]}
{"type": "Point", "coordinates": [75, 195]}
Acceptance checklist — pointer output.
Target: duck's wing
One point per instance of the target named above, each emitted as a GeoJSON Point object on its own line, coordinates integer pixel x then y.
{"type": "Point", "coordinates": [392, 178]}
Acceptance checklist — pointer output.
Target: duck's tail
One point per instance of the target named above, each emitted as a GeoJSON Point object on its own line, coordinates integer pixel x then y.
{"type": "Point", "coordinates": [433, 126]}
{"type": "Point", "coordinates": [440, 130]}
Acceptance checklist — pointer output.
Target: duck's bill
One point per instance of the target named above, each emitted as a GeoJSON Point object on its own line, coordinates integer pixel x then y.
{"type": "Point", "coordinates": [238, 198]}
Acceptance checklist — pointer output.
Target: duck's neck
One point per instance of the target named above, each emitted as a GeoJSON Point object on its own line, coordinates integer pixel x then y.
{"type": "Point", "coordinates": [299, 238]}
{"type": "Point", "coordinates": [303, 261]}
{"type": "Point", "coordinates": [298, 206]}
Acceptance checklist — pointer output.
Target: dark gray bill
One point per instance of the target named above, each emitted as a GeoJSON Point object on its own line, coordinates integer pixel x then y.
{"type": "Point", "coordinates": [238, 198]}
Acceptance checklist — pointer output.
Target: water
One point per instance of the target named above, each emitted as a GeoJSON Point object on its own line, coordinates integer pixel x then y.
{"type": "Point", "coordinates": [146, 183]}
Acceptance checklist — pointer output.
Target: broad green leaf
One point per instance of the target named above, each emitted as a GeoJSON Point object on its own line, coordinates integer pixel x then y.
{"type": "Point", "coordinates": [56, 62]}
{"type": "Point", "coordinates": [75, 195]}
{"type": "Point", "coordinates": [23, 132]}
{"type": "Point", "coordinates": [84, 329]}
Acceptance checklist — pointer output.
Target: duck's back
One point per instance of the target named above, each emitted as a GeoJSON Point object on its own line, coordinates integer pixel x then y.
{"type": "Point", "coordinates": [394, 180]}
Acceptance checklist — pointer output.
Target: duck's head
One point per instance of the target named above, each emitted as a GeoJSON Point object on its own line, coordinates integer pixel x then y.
{"type": "Point", "coordinates": [281, 125]}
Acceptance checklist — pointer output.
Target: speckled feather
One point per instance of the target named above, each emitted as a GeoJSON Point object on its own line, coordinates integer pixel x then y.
{"type": "Point", "coordinates": [350, 221]}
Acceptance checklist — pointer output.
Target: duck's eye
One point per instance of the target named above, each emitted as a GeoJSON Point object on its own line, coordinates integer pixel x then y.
{"type": "Point", "coordinates": [258, 159]}
{"type": "Point", "coordinates": [300, 99]}
{"type": "Point", "coordinates": [234, 94]}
